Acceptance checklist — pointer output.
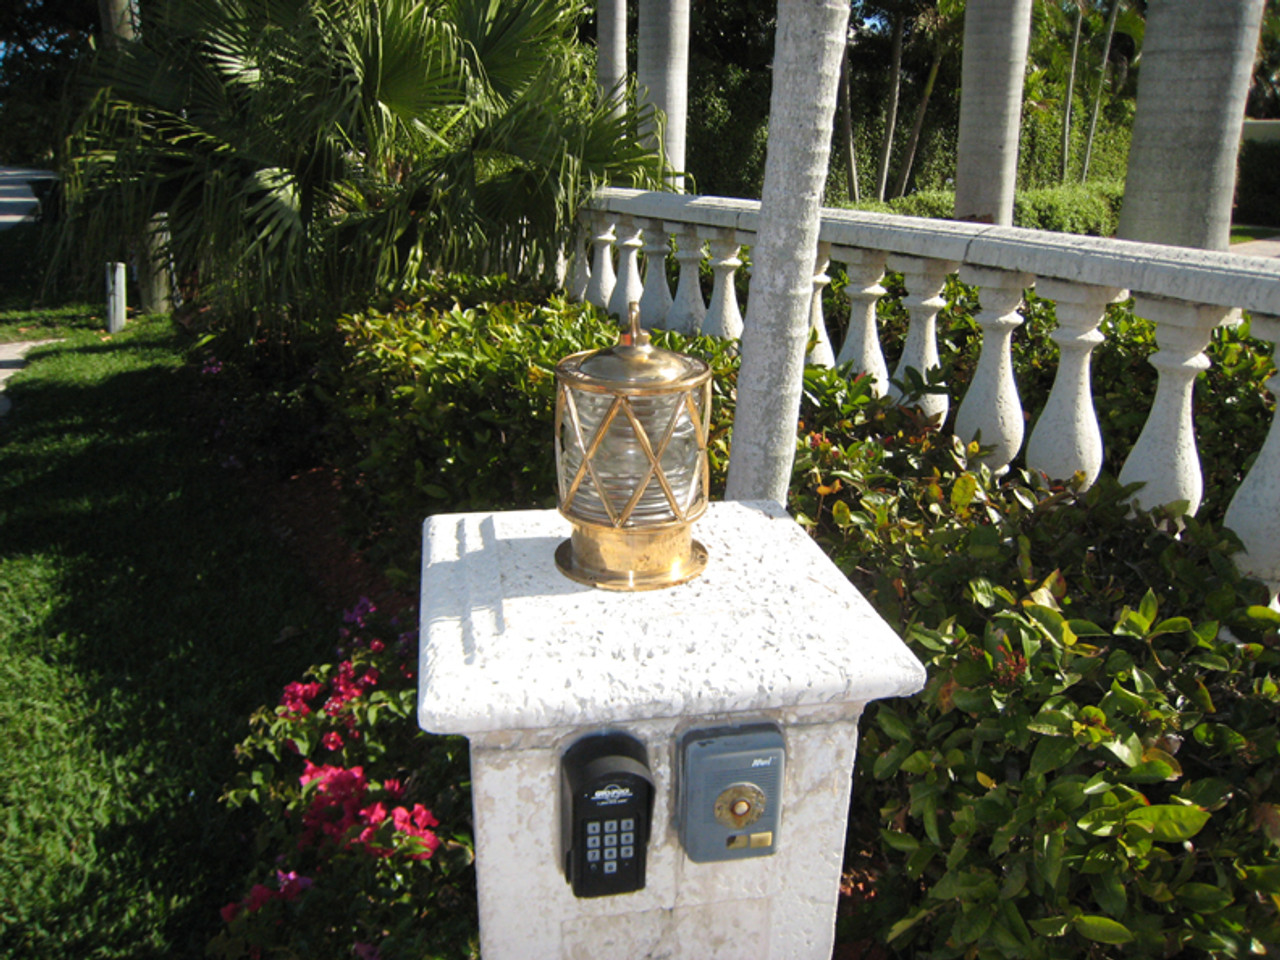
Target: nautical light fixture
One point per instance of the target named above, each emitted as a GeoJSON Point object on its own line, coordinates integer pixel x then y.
{"type": "Point", "coordinates": [631, 462]}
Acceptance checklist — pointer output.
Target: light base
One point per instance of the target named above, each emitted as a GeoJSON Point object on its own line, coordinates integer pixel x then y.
{"type": "Point", "coordinates": [644, 558]}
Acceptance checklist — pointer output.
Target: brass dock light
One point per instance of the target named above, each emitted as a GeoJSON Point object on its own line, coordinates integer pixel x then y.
{"type": "Point", "coordinates": [631, 462]}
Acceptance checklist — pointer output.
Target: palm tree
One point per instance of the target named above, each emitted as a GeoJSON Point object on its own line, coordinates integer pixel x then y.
{"type": "Point", "coordinates": [996, 35]}
{"type": "Point", "coordinates": [809, 40]}
{"type": "Point", "coordinates": [1196, 66]}
{"type": "Point", "coordinates": [940, 24]}
{"type": "Point", "coordinates": [1110, 32]}
{"type": "Point", "coordinates": [312, 153]}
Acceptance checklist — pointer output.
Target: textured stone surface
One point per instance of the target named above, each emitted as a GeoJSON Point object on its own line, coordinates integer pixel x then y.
{"type": "Point", "coordinates": [525, 661]}
{"type": "Point", "coordinates": [513, 644]}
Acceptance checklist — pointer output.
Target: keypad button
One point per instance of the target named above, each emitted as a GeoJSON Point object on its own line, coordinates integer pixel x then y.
{"type": "Point", "coordinates": [611, 826]}
{"type": "Point", "coordinates": [593, 843]}
{"type": "Point", "coordinates": [611, 867]}
{"type": "Point", "coordinates": [593, 856]}
{"type": "Point", "coordinates": [611, 853]}
{"type": "Point", "coordinates": [610, 839]}
{"type": "Point", "coordinates": [628, 838]}
{"type": "Point", "coordinates": [628, 824]}
{"type": "Point", "coordinates": [593, 826]}
{"type": "Point", "coordinates": [626, 852]}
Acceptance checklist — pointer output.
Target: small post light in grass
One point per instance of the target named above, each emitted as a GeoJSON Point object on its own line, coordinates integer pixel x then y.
{"type": "Point", "coordinates": [631, 462]}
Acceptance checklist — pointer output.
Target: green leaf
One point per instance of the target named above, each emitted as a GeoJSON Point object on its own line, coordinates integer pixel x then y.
{"type": "Point", "coordinates": [1049, 926]}
{"type": "Point", "coordinates": [972, 923]}
{"type": "Point", "coordinates": [1051, 753]}
{"type": "Point", "coordinates": [1203, 897]}
{"type": "Point", "coordinates": [1110, 894]}
{"type": "Point", "coordinates": [902, 842]}
{"type": "Point", "coordinates": [962, 492]}
{"type": "Point", "coordinates": [1101, 929]}
{"type": "Point", "coordinates": [892, 724]}
{"type": "Point", "coordinates": [1168, 822]}
{"type": "Point", "coordinates": [1128, 751]}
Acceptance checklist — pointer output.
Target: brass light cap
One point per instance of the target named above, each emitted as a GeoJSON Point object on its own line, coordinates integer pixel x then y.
{"type": "Point", "coordinates": [632, 364]}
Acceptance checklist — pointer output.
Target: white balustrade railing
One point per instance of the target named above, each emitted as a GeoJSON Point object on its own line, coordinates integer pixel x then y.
{"type": "Point", "coordinates": [1185, 293]}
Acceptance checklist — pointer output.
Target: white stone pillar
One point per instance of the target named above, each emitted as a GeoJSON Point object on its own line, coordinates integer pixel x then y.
{"type": "Point", "coordinates": [600, 287]}
{"type": "Point", "coordinates": [991, 411]}
{"type": "Point", "coordinates": [611, 50]}
{"type": "Point", "coordinates": [117, 288]}
{"type": "Point", "coordinates": [1254, 513]}
{"type": "Point", "coordinates": [723, 319]}
{"type": "Point", "coordinates": [1165, 459]}
{"type": "Point", "coordinates": [687, 310]}
{"type": "Point", "coordinates": [820, 354]}
{"type": "Point", "coordinates": [655, 304]}
{"type": "Point", "coordinates": [629, 287]}
{"type": "Point", "coordinates": [924, 280]}
{"type": "Point", "coordinates": [524, 662]}
{"type": "Point", "coordinates": [1067, 438]}
{"type": "Point", "coordinates": [580, 255]}
{"type": "Point", "coordinates": [865, 269]}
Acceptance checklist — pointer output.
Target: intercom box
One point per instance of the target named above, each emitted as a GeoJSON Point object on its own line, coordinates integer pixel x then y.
{"type": "Point", "coordinates": [606, 806]}
{"type": "Point", "coordinates": [730, 791]}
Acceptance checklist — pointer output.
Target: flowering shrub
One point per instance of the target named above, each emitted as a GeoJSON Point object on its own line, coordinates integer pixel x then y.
{"type": "Point", "coordinates": [363, 849]}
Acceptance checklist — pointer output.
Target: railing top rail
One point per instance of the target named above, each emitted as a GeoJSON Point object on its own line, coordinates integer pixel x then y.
{"type": "Point", "coordinates": [1181, 273]}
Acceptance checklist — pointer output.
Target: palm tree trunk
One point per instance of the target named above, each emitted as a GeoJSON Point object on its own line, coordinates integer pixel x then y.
{"type": "Point", "coordinates": [662, 72]}
{"type": "Point", "coordinates": [808, 44]}
{"type": "Point", "coordinates": [917, 126]}
{"type": "Point", "coordinates": [891, 114]}
{"type": "Point", "coordinates": [611, 51]}
{"type": "Point", "coordinates": [996, 35]}
{"type": "Point", "coordinates": [1102, 82]}
{"type": "Point", "coordinates": [1071, 89]}
{"type": "Point", "coordinates": [1197, 61]}
{"type": "Point", "coordinates": [117, 18]}
{"type": "Point", "coordinates": [846, 129]}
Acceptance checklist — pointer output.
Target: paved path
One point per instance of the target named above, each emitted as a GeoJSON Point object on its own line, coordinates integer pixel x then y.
{"type": "Point", "coordinates": [11, 361]}
{"type": "Point", "coordinates": [17, 202]}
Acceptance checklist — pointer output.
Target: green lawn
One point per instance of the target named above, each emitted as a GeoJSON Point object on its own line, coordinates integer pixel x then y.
{"type": "Point", "coordinates": [141, 597]}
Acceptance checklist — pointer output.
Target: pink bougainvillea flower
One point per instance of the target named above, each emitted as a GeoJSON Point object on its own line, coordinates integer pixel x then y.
{"type": "Point", "coordinates": [377, 646]}
{"type": "Point", "coordinates": [332, 740]}
{"type": "Point", "coordinates": [230, 912]}
{"type": "Point", "coordinates": [298, 696]}
{"type": "Point", "coordinates": [365, 951]}
{"type": "Point", "coordinates": [393, 787]}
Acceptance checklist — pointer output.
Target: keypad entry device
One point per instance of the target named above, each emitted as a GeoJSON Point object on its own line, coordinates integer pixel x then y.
{"type": "Point", "coordinates": [730, 787]}
{"type": "Point", "coordinates": [606, 793]}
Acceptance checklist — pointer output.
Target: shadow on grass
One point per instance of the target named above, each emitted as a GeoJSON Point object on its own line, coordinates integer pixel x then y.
{"type": "Point", "coordinates": [166, 596]}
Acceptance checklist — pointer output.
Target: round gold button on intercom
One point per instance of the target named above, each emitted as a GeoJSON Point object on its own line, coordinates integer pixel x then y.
{"type": "Point", "coordinates": [739, 805]}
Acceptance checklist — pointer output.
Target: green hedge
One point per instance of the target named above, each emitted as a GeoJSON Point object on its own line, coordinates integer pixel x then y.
{"type": "Point", "coordinates": [1092, 210]}
{"type": "Point", "coordinates": [1258, 184]}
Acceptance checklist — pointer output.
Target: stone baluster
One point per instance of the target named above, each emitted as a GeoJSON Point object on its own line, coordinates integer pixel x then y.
{"type": "Point", "coordinates": [1067, 438]}
{"type": "Point", "coordinates": [629, 287]}
{"type": "Point", "coordinates": [1165, 459]}
{"type": "Point", "coordinates": [687, 310]}
{"type": "Point", "coordinates": [1254, 513]}
{"type": "Point", "coordinates": [821, 354]}
{"type": "Point", "coordinates": [655, 304]}
{"type": "Point", "coordinates": [600, 288]}
{"type": "Point", "coordinates": [991, 411]}
{"type": "Point", "coordinates": [723, 319]}
{"type": "Point", "coordinates": [580, 255]}
{"type": "Point", "coordinates": [864, 269]}
{"type": "Point", "coordinates": [924, 280]}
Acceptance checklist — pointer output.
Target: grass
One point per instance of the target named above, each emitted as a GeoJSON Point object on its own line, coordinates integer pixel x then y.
{"type": "Point", "coordinates": [1243, 233]}
{"type": "Point", "coordinates": [142, 596]}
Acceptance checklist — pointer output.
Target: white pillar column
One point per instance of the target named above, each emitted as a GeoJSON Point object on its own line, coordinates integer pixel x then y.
{"type": "Point", "coordinates": [924, 280]}
{"type": "Point", "coordinates": [864, 268]}
{"type": "Point", "coordinates": [820, 354]}
{"type": "Point", "coordinates": [629, 287]}
{"type": "Point", "coordinates": [655, 304]}
{"type": "Point", "coordinates": [600, 288]}
{"type": "Point", "coordinates": [723, 319]}
{"type": "Point", "coordinates": [1067, 439]}
{"type": "Point", "coordinates": [1165, 458]}
{"type": "Point", "coordinates": [580, 255]}
{"type": "Point", "coordinates": [687, 310]}
{"type": "Point", "coordinates": [991, 411]}
{"type": "Point", "coordinates": [1254, 513]}
{"type": "Point", "coordinates": [116, 297]}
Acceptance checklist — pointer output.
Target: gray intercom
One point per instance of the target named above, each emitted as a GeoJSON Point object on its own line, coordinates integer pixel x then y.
{"type": "Point", "coordinates": [730, 791]}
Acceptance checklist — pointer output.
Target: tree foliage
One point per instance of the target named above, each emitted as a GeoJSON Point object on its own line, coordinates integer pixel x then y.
{"type": "Point", "coordinates": [310, 153]}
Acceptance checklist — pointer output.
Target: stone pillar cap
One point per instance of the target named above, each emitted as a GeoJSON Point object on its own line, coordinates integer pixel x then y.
{"type": "Point", "coordinates": [509, 643]}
